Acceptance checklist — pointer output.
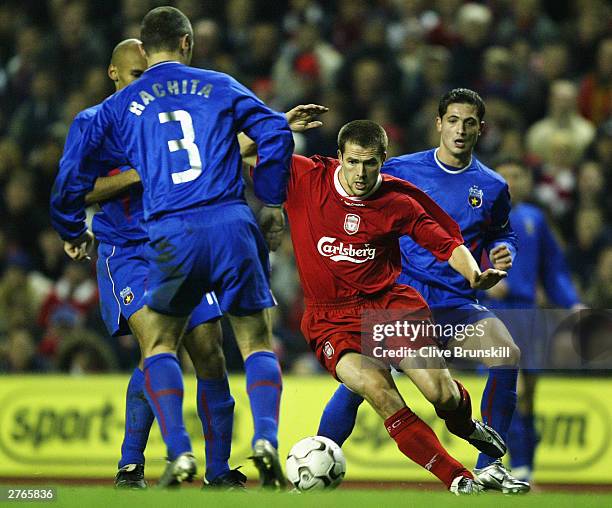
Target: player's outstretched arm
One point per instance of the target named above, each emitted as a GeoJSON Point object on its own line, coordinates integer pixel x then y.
{"type": "Point", "coordinates": [301, 118]}
{"type": "Point", "coordinates": [107, 187]}
{"type": "Point", "coordinates": [462, 261]}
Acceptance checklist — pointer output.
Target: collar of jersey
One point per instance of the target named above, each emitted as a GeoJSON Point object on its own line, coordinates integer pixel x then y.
{"type": "Point", "coordinates": [159, 64]}
{"type": "Point", "coordinates": [340, 190]}
{"type": "Point", "coordinates": [445, 167]}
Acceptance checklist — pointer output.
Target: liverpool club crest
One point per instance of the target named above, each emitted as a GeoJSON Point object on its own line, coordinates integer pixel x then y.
{"type": "Point", "coordinates": [475, 197]}
{"type": "Point", "coordinates": [351, 223]}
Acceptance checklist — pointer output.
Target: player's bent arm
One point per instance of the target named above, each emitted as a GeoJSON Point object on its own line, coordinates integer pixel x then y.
{"type": "Point", "coordinates": [301, 118]}
{"type": "Point", "coordinates": [107, 187]}
{"type": "Point", "coordinates": [463, 262]}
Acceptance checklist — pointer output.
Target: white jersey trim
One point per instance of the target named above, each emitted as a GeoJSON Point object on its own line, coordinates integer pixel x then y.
{"type": "Point", "coordinates": [445, 169]}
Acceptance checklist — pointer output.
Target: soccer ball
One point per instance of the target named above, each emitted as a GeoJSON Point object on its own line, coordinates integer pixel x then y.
{"type": "Point", "coordinates": [315, 463]}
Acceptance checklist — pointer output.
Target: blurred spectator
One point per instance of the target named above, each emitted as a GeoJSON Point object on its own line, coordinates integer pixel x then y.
{"type": "Point", "coordinates": [589, 241]}
{"type": "Point", "coordinates": [18, 353]}
{"type": "Point", "coordinates": [599, 296]}
{"type": "Point", "coordinates": [556, 178]}
{"type": "Point", "coordinates": [75, 290]}
{"type": "Point", "coordinates": [595, 97]}
{"type": "Point", "coordinates": [474, 23]}
{"type": "Point", "coordinates": [18, 299]}
{"type": "Point", "coordinates": [526, 20]}
{"type": "Point", "coordinates": [85, 352]}
{"type": "Point", "coordinates": [562, 117]}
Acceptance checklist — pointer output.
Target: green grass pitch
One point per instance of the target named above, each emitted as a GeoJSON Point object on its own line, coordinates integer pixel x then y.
{"type": "Point", "coordinates": [107, 497]}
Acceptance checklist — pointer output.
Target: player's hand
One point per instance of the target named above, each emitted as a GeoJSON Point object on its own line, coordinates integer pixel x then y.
{"type": "Point", "coordinates": [487, 279]}
{"type": "Point", "coordinates": [272, 224]}
{"type": "Point", "coordinates": [78, 249]}
{"type": "Point", "coordinates": [303, 117]}
{"type": "Point", "coordinates": [501, 258]}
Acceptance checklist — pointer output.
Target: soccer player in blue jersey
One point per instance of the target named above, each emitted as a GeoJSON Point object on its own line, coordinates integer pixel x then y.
{"type": "Point", "coordinates": [541, 261]}
{"type": "Point", "coordinates": [177, 125]}
{"type": "Point", "coordinates": [122, 274]}
{"type": "Point", "coordinates": [478, 200]}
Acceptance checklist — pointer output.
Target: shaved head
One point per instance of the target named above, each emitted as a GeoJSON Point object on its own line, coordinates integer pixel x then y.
{"type": "Point", "coordinates": [127, 63]}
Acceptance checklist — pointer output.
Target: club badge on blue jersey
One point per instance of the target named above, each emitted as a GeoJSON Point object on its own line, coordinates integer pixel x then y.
{"type": "Point", "coordinates": [127, 295]}
{"type": "Point", "coordinates": [351, 223]}
{"type": "Point", "coordinates": [475, 197]}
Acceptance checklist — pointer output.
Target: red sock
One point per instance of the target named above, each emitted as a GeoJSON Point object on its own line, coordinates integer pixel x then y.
{"type": "Point", "coordinates": [459, 420]}
{"type": "Point", "coordinates": [418, 442]}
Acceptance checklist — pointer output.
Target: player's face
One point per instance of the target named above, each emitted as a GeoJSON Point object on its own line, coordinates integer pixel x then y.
{"type": "Point", "coordinates": [518, 180]}
{"type": "Point", "coordinates": [459, 129]}
{"type": "Point", "coordinates": [129, 68]}
{"type": "Point", "coordinates": [360, 168]}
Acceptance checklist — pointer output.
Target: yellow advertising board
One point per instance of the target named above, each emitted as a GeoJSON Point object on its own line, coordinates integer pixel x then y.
{"type": "Point", "coordinates": [72, 427]}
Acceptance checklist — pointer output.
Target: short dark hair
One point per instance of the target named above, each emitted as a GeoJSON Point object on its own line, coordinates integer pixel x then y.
{"type": "Point", "coordinates": [364, 133]}
{"type": "Point", "coordinates": [462, 96]}
{"type": "Point", "coordinates": [162, 28]}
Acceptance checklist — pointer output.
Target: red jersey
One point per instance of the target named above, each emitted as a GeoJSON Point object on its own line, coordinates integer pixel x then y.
{"type": "Point", "coordinates": [348, 246]}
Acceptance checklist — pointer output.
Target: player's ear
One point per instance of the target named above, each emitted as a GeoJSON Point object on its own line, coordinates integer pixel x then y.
{"type": "Point", "coordinates": [112, 73]}
{"type": "Point", "coordinates": [383, 158]}
{"type": "Point", "coordinates": [439, 124]}
{"type": "Point", "coordinates": [481, 129]}
{"type": "Point", "coordinates": [339, 155]}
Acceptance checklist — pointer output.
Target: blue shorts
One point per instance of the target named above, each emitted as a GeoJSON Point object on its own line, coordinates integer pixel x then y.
{"type": "Point", "coordinates": [464, 314]}
{"type": "Point", "coordinates": [218, 249]}
{"type": "Point", "coordinates": [122, 280]}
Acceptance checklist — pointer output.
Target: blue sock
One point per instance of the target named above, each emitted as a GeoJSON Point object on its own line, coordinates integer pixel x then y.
{"type": "Point", "coordinates": [216, 411]}
{"type": "Point", "coordinates": [522, 441]}
{"type": "Point", "coordinates": [164, 390]}
{"type": "Point", "coordinates": [338, 418]}
{"type": "Point", "coordinates": [498, 404]}
{"type": "Point", "coordinates": [264, 386]}
{"type": "Point", "coordinates": [138, 420]}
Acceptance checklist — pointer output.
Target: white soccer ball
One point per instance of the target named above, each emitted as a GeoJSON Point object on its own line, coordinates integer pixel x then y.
{"type": "Point", "coordinates": [315, 463]}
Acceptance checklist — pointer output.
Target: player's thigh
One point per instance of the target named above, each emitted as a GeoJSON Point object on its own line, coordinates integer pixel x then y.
{"type": "Point", "coordinates": [372, 380]}
{"type": "Point", "coordinates": [179, 267]}
{"type": "Point", "coordinates": [158, 333]}
{"type": "Point", "coordinates": [433, 380]}
{"type": "Point", "coordinates": [241, 267]}
{"type": "Point", "coordinates": [253, 332]}
{"type": "Point", "coordinates": [490, 333]}
{"type": "Point", "coordinates": [122, 274]}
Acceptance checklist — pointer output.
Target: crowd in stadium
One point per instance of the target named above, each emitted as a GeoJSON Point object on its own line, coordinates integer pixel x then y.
{"type": "Point", "coordinates": [544, 69]}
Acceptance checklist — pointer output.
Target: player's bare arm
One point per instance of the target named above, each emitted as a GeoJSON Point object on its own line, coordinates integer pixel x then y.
{"type": "Point", "coordinates": [462, 261]}
{"type": "Point", "coordinates": [107, 187]}
{"type": "Point", "coordinates": [301, 118]}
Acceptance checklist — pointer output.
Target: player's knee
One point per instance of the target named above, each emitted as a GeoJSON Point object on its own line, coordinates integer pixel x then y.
{"type": "Point", "coordinates": [211, 366]}
{"type": "Point", "coordinates": [444, 394]}
{"type": "Point", "coordinates": [514, 355]}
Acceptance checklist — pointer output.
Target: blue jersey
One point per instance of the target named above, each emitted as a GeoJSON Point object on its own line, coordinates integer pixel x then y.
{"type": "Point", "coordinates": [476, 198]}
{"type": "Point", "coordinates": [177, 126]}
{"type": "Point", "coordinates": [120, 220]}
{"type": "Point", "coordinates": [541, 260]}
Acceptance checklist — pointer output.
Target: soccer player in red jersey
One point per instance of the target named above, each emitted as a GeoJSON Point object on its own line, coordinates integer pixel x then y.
{"type": "Point", "coordinates": [346, 220]}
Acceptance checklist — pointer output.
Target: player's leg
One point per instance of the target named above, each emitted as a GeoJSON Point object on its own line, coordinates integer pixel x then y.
{"type": "Point", "coordinates": [499, 397]}
{"type": "Point", "coordinates": [522, 438]}
{"type": "Point", "coordinates": [413, 436]}
{"type": "Point", "coordinates": [340, 414]}
{"type": "Point", "coordinates": [264, 387]}
{"type": "Point", "coordinates": [452, 403]}
{"type": "Point", "coordinates": [241, 273]}
{"type": "Point", "coordinates": [121, 273]}
{"type": "Point", "coordinates": [203, 342]}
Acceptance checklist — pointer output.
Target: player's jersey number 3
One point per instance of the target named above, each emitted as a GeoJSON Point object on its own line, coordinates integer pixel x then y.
{"type": "Point", "coordinates": [185, 143]}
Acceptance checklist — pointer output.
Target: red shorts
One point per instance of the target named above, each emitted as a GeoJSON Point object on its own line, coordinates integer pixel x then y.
{"type": "Point", "coordinates": [334, 328]}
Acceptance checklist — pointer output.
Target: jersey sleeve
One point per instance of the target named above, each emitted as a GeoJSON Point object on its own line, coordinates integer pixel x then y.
{"type": "Point", "coordinates": [428, 225]}
{"type": "Point", "coordinates": [554, 273]}
{"type": "Point", "coordinates": [274, 140]}
{"type": "Point", "coordinates": [75, 177]}
{"type": "Point", "coordinates": [499, 230]}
